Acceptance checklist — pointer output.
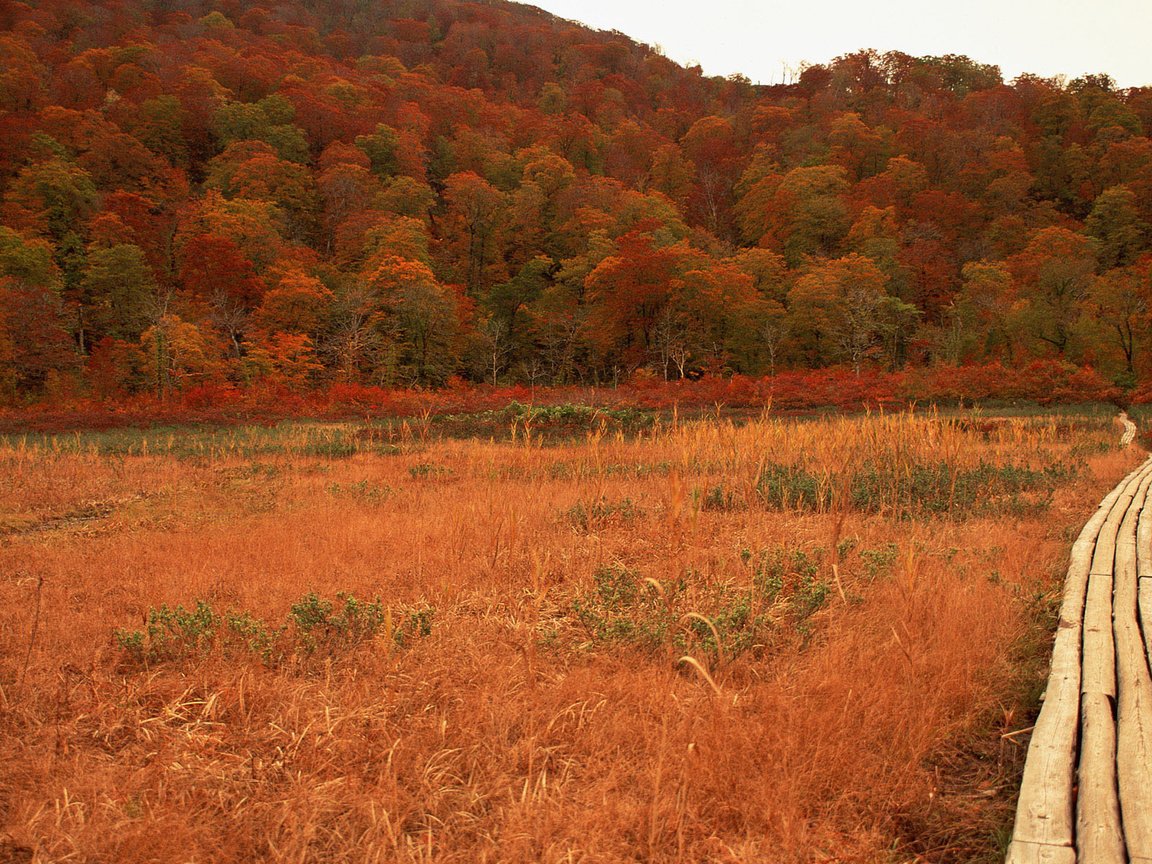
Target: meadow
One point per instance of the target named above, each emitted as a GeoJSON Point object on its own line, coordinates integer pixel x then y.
{"type": "Point", "coordinates": [585, 636]}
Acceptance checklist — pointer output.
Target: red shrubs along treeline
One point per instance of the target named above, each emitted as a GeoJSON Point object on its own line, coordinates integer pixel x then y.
{"type": "Point", "coordinates": [1041, 382]}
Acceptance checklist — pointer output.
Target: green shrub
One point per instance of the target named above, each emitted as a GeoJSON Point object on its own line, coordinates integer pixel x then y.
{"type": "Point", "coordinates": [719, 499]}
{"type": "Point", "coordinates": [625, 609]}
{"type": "Point", "coordinates": [933, 489]}
{"type": "Point", "coordinates": [880, 561]}
{"type": "Point", "coordinates": [428, 471]}
{"type": "Point", "coordinates": [172, 632]}
{"type": "Point", "coordinates": [789, 580]}
{"type": "Point", "coordinates": [915, 489]}
{"type": "Point", "coordinates": [791, 486]}
{"type": "Point", "coordinates": [313, 627]}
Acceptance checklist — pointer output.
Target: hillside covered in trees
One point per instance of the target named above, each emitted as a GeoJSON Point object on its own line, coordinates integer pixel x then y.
{"type": "Point", "coordinates": [406, 192]}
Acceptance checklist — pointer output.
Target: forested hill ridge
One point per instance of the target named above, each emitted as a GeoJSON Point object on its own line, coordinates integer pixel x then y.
{"type": "Point", "coordinates": [403, 193]}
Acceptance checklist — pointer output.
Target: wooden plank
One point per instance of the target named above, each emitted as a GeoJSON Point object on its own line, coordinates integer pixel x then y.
{"type": "Point", "coordinates": [1099, 651]}
{"type": "Point", "coordinates": [1144, 546]}
{"type": "Point", "coordinates": [1105, 550]}
{"type": "Point", "coordinates": [1039, 853]}
{"type": "Point", "coordinates": [1146, 613]}
{"type": "Point", "coordinates": [1106, 546]}
{"type": "Point", "coordinates": [1064, 670]}
{"type": "Point", "coordinates": [1076, 581]}
{"type": "Point", "coordinates": [1129, 434]}
{"type": "Point", "coordinates": [1134, 686]}
{"type": "Point", "coordinates": [1099, 838]}
{"type": "Point", "coordinates": [1134, 748]}
{"type": "Point", "coordinates": [1044, 812]}
{"type": "Point", "coordinates": [1144, 571]}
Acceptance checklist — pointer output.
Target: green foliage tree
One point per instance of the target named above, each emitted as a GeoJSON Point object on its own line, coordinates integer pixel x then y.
{"type": "Point", "coordinates": [473, 220]}
{"type": "Point", "coordinates": [381, 148]}
{"type": "Point", "coordinates": [52, 197]}
{"type": "Point", "coordinates": [418, 318]}
{"type": "Point", "coordinates": [1115, 222]}
{"type": "Point", "coordinates": [120, 295]}
{"type": "Point", "coordinates": [1120, 301]}
{"type": "Point", "coordinates": [1055, 273]}
{"type": "Point", "coordinates": [803, 213]}
{"type": "Point", "coordinates": [843, 303]}
{"type": "Point", "coordinates": [270, 120]}
{"type": "Point", "coordinates": [985, 315]}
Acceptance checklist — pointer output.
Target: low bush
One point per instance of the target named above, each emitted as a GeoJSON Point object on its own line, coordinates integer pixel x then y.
{"type": "Point", "coordinates": [915, 488]}
{"type": "Point", "coordinates": [313, 627]}
{"type": "Point", "coordinates": [719, 621]}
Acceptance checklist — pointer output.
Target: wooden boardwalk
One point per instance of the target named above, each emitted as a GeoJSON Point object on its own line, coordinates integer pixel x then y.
{"type": "Point", "coordinates": [1086, 795]}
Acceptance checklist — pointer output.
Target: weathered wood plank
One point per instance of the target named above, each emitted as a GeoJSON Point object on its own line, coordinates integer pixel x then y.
{"type": "Point", "coordinates": [1099, 652]}
{"type": "Point", "coordinates": [1105, 551]}
{"type": "Point", "coordinates": [1099, 837]}
{"type": "Point", "coordinates": [1144, 571]}
{"type": "Point", "coordinates": [1134, 751]}
{"type": "Point", "coordinates": [1129, 429]}
{"type": "Point", "coordinates": [1044, 813]}
{"type": "Point", "coordinates": [1099, 656]}
{"type": "Point", "coordinates": [1039, 853]}
{"type": "Point", "coordinates": [1144, 545]}
{"type": "Point", "coordinates": [1080, 559]}
{"type": "Point", "coordinates": [1134, 683]}
{"type": "Point", "coordinates": [1145, 602]}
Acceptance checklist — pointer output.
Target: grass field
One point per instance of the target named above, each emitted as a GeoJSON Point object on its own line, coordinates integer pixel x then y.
{"type": "Point", "coordinates": [786, 641]}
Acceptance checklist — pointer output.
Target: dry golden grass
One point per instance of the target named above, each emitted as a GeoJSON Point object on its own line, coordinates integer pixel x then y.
{"type": "Point", "coordinates": [865, 728]}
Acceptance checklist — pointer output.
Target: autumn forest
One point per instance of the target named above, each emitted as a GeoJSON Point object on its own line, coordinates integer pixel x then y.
{"type": "Point", "coordinates": [415, 193]}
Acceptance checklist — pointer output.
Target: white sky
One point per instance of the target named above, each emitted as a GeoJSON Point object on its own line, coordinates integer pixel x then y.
{"type": "Point", "coordinates": [1044, 37]}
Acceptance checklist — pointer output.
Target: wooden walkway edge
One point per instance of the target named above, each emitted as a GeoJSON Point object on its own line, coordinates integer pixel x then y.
{"type": "Point", "coordinates": [1086, 794]}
